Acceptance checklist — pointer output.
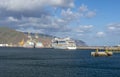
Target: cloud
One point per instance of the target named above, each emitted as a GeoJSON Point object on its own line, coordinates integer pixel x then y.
{"type": "Point", "coordinates": [83, 8]}
{"type": "Point", "coordinates": [86, 12]}
{"type": "Point", "coordinates": [113, 29]}
{"type": "Point", "coordinates": [40, 16]}
{"type": "Point", "coordinates": [69, 15]}
{"type": "Point", "coordinates": [83, 31]}
{"type": "Point", "coordinates": [84, 28]}
{"type": "Point", "coordinates": [114, 26]}
{"type": "Point", "coordinates": [47, 24]}
{"type": "Point", "coordinates": [83, 11]}
{"type": "Point", "coordinates": [90, 14]}
{"type": "Point", "coordinates": [100, 34]}
{"type": "Point", "coordinates": [12, 19]}
{"type": "Point", "coordinates": [22, 5]}
{"type": "Point", "coordinates": [31, 8]}
{"type": "Point", "coordinates": [31, 30]}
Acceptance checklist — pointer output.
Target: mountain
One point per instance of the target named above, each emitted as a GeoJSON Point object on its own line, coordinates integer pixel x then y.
{"type": "Point", "coordinates": [45, 39]}
{"type": "Point", "coordinates": [10, 36]}
{"type": "Point", "coordinates": [80, 43]}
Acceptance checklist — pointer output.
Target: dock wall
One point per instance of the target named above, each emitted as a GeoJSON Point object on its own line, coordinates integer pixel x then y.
{"type": "Point", "coordinates": [109, 48]}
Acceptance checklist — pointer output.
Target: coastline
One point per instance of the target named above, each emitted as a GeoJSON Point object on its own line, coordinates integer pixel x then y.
{"type": "Point", "coordinates": [109, 48]}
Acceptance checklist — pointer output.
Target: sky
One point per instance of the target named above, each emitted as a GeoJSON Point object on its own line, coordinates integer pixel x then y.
{"type": "Point", "coordinates": [96, 22]}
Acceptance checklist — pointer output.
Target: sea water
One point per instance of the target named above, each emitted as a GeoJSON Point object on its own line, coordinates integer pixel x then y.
{"type": "Point", "coordinates": [31, 62]}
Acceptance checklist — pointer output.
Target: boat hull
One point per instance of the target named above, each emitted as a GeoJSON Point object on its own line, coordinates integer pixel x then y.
{"type": "Point", "coordinates": [71, 48]}
{"type": "Point", "coordinates": [64, 47]}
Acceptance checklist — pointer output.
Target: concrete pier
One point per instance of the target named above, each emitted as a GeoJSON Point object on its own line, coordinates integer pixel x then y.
{"type": "Point", "coordinates": [102, 53]}
{"type": "Point", "coordinates": [109, 48]}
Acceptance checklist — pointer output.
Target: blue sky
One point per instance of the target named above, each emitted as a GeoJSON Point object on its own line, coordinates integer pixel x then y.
{"type": "Point", "coordinates": [97, 22]}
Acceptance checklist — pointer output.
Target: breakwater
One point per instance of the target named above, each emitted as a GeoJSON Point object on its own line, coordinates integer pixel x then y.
{"type": "Point", "coordinates": [109, 48]}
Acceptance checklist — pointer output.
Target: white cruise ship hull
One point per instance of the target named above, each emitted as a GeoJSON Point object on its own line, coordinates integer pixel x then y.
{"type": "Point", "coordinates": [71, 48]}
{"type": "Point", "coordinates": [64, 47]}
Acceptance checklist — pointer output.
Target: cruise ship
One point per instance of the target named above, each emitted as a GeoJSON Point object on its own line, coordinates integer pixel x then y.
{"type": "Point", "coordinates": [63, 43]}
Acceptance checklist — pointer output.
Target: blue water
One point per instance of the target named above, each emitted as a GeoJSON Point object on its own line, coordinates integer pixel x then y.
{"type": "Point", "coordinates": [21, 62]}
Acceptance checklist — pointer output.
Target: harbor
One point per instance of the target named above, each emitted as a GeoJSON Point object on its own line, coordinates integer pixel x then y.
{"type": "Point", "coordinates": [31, 44]}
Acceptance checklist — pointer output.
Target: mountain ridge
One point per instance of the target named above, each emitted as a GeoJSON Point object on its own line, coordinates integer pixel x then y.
{"type": "Point", "coordinates": [11, 36]}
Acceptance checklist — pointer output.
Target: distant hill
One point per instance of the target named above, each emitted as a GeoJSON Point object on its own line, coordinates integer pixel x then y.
{"type": "Point", "coordinates": [80, 43]}
{"type": "Point", "coordinates": [10, 36]}
{"type": "Point", "coordinates": [45, 39]}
